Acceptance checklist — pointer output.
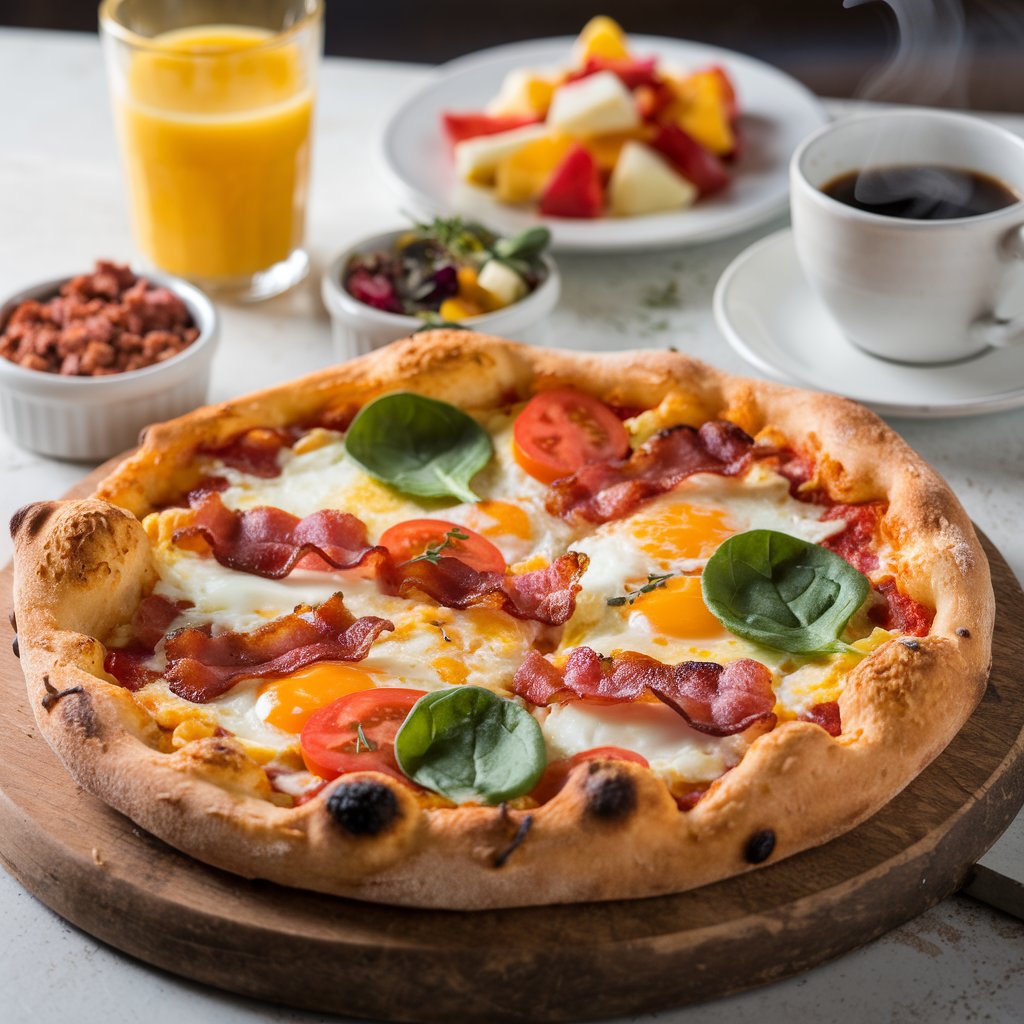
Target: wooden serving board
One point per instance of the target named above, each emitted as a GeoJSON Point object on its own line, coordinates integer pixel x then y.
{"type": "Point", "coordinates": [95, 868]}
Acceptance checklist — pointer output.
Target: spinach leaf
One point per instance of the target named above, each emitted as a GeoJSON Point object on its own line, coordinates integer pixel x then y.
{"type": "Point", "coordinates": [419, 445]}
{"type": "Point", "coordinates": [527, 245]}
{"type": "Point", "coordinates": [783, 592]}
{"type": "Point", "coordinates": [467, 743]}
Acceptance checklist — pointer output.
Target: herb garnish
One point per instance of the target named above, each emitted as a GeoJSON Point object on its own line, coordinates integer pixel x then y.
{"type": "Point", "coordinates": [361, 740]}
{"type": "Point", "coordinates": [432, 553]}
{"type": "Point", "coordinates": [654, 580]}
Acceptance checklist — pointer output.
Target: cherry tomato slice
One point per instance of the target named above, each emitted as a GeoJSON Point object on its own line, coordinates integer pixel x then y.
{"type": "Point", "coordinates": [560, 431]}
{"type": "Point", "coordinates": [609, 754]}
{"type": "Point", "coordinates": [331, 742]}
{"type": "Point", "coordinates": [411, 538]}
{"type": "Point", "coordinates": [557, 772]}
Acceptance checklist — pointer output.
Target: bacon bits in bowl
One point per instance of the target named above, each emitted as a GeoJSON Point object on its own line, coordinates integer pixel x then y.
{"type": "Point", "coordinates": [448, 273]}
{"type": "Point", "coordinates": [87, 361]}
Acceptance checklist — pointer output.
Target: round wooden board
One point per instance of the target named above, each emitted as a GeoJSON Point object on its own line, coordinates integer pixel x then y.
{"type": "Point", "coordinates": [95, 868]}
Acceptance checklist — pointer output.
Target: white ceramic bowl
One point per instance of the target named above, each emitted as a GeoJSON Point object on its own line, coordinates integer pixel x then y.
{"type": "Point", "coordinates": [357, 328]}
{"type": "Point", "coordinates": [92, 418]}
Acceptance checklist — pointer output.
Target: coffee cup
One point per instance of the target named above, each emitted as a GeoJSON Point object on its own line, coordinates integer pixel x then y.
{"type": "Point", "coordinates": [906, 288]}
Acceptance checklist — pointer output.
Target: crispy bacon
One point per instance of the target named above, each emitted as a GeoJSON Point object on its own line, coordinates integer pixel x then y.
{"type": "Point", "coordinates": [716, 699]}
{"type": "Point", "coordinates": [544, 595]}
{"type": "Point", "coordinates": [202, 666]}
{"type": "Point", "coordinates": [254, 451]}
{"type": "Point", "coordinates": [270, 542]}
{"type": "Point", "coordinates": [151, 621]}
{"type": "Point", "coordinates": [900, 612]}
{"type": "Point", "coordinates": [602, 491]}
{"type": "Point", "coordinates": [857, 542]}
{"type": "Point", "coordinates": [125, 664]}
{"type": "Point", "coordinates": [826, 715]}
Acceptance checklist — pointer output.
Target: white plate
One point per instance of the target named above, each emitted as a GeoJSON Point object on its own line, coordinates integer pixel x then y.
{"type": "Point", "coordinates": [769, 314]}
{"type": "Point", "coordinates": [777, 112]}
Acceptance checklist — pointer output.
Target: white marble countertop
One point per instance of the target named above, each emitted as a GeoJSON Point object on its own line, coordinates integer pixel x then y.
{"type": "Point", "coordinates": [62, 204]}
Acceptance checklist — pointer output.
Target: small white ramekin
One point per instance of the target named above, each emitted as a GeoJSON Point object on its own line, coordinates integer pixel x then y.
{"type": "Point", "coordinates": [357, 328]}
{"type": "Point", "coordinates": [92, 418]}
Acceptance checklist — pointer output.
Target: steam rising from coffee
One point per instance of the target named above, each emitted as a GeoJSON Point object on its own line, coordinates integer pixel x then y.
{"type": "Point", "coordinates": [929, 68]}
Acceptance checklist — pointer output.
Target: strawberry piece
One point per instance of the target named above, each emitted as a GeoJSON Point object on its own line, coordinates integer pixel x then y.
{"type": "Point", "coordinates": [633, 73]}
{"type": "Point", "coordinates": [575, 187]}
{"type": "Point", "coordinates": [469, 126]}
{"type": "Point", "coordinates": [691, 159]}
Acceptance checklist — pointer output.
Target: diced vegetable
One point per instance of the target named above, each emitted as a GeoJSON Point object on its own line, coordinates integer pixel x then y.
{"type": "Point", "coordinates": [500, 280]}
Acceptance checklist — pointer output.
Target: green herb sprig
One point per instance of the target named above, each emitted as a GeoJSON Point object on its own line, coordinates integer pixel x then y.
{"type": "Point", "coordinates": [432, 553]}
{"type": "Point", "coordinates": [654, 581]}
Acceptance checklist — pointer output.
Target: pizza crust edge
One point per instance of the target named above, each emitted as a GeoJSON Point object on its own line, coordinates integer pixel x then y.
{"type": "Point", "coordinates": [614, 831]}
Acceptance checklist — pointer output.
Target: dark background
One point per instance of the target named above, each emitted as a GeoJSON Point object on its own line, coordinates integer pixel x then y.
{"type": "Point", "coordinates": [836, 51]}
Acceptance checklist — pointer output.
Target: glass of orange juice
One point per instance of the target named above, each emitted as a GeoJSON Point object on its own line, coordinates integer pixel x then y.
{"type": "Point", "coordinates": [214, 106]}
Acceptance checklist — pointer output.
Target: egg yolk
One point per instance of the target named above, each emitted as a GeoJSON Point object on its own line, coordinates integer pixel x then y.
{"type": "Point", "coordinates": [677, 609]}
{"type": "Point", "coordinates": [680, 530]}
{"type": "Point", "coordinates": [507, 520]}
{"type": "Point", "coordinates": [288, 703]}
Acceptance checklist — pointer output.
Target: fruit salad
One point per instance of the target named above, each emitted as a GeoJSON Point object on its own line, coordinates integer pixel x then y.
{"type": "Point", "coordinates": [616, 134]}
{"type": "Point", "coordinates": [449, 270]}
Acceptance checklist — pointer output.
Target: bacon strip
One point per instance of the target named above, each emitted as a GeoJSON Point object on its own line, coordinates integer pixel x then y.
{"type": "Point", "coordinates": [900, 613]}
{"type": "Point", "coordinates": [826, 715]}
{"type": "Point", "coordinates": [716, 699]}
{"type": "Point", "coordinates": [857, 542]}
{"type": "Point", "coordinates": [270, 542]}
{"type": "Point", "coordinates": [151, 621]}
{"type": "Point", "coordinates": [254, 451]}
{"type": "Point", "coordinates": [602, 491]}
{"type": "Point", "coordinates": [544, 595]}
{"type": "Point", "coordinates": [202, 666]}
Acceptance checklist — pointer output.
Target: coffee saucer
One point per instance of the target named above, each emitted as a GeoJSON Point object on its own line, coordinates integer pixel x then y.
{"type": "Point", "coordinates": [767, 311]}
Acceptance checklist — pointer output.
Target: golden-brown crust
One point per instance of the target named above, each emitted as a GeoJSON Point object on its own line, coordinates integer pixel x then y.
{"type": "Point", "coordinates": [613, 831]}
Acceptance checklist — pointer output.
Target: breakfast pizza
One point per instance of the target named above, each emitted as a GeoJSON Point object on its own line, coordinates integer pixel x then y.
{"type": "Point", "coordinates": [466, 624]}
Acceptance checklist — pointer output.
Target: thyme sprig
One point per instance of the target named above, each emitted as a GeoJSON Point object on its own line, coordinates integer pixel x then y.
{"type": "Point", "coordinates": [433, 552]}
{"type": "Point", "coordinates": [654, 581]}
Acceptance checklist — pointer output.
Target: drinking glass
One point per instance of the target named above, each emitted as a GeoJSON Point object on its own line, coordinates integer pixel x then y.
{"type": "Point", "coordinates": [213, 101]}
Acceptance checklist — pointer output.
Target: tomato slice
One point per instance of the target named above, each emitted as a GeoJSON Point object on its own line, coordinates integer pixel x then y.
{"type": "Point", "coordinates": [609, 754]}
{"type": "Point", "coordinates": [411, 538]}
{"type": "Point", "coordinates": [557, 772]}
{"type": "Point", "coordinates": [331, 737]}
{"type": "Point", "coordinates": [560, 431]}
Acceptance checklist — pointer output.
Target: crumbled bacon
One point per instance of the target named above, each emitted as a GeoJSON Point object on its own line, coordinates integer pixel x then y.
{"type": "Point", "coordinates": [602, 491]}
{"type": "Point", "coordinates": [717, 699]}
{"type": "Point", "coordinates": [856, 543]}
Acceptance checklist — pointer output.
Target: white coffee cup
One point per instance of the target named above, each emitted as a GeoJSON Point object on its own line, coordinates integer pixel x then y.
{"type": "Point", "coordinates": [914, 291]}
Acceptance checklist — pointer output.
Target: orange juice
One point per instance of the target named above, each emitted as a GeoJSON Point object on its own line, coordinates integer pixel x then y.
{"type": "Point", "coordinates": [215, 124]}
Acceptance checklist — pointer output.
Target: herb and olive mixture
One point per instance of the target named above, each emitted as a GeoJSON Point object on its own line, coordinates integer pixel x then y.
{"type": "Point", "coordinates": [449, 270]}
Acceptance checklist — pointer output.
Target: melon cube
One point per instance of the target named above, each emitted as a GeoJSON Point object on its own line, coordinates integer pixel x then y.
{"type": "Point", "coordinates": [643, 182]}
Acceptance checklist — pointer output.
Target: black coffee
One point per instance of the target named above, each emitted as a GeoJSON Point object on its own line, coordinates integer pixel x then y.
{"type": "Point", "coordinates": [921, 192]}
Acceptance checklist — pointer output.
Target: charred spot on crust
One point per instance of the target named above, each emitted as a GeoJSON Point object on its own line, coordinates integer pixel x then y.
{"type": "Point", "coordinates": [910, 643]}
{"type": "Point", "coordinates": [12, 619]}
{"type": "Point", "coordinates": [760, 846]}
{"type": "Point", "coordinates": [964, 632]}
{"type": "Point", "coordinates": [502, 856]}
{"type": "Point", "coordinates": [610, 792]}
{"type": "Point", "coordinates": [364, 808]}
{"type": "Point", "coordinates": [78, 714]}
{"type": "Point", "coordinates": [31, 518]}
{"type": "Point", "coordinates": [15, 646]}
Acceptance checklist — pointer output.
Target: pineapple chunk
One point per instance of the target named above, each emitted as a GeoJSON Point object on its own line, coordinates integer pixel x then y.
{"type": "Point", "coordinates": [643, 182]}
{"type": "Point", "coordinates": [601, 37]}
{"type": "Point", "coordinates": [523, 93]}
{"type": "Point", "coordinates": [523, 176]}
{"type": "Point", "coordinates": [477, 159]}
{"type": "Point", "coordinates": [593, 106]}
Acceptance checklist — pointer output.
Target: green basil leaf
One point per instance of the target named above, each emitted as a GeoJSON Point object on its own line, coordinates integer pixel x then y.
{"type": "Point", "coordinates": [527, 245]}
{"type": "Point", "coordinates": [467, 743]}
{"type": "Point", "coordinates": [783, 592]}
{"type": "Point", "coordinates": [419, 445]}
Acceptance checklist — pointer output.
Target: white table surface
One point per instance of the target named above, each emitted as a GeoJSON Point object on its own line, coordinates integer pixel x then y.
{"type": "Point", "coordinates": [62, 204]}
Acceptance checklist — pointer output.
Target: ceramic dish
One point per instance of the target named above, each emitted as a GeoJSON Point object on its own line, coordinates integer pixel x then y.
{"type": "Point", "coordinates": [92, 418]}
{"type": "Point", "coordinates": [777, 113]}
{"type": "Point", "coordinates": [768, 312]}
{"type": "Point", "coordinates": [357, 328]}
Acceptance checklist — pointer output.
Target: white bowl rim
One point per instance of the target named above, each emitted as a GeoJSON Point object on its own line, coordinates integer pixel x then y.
{"type": "Point", "coordinates": [204, 315]}
{"type": "Point", "coordinates": [351, 306]}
